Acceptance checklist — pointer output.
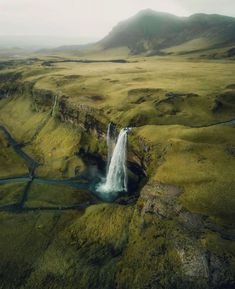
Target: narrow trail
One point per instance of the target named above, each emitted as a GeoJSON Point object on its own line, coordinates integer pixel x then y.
{"type": "Point", "coordinates": [31, 163]}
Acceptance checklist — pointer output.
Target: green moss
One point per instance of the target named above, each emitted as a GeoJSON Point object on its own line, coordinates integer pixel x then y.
{"type": "Point", "coordinates": [42, 195]}
{"type": "Point", "coordinates": [11, 164]}
{"type": "Point", "coordinates": [222, 250]}
{"type": "Point", "coordinates": [11, 194]}
{"type": "Point", "coordinates": [24, 237]}
{"type": "Point", "coordinates": [201, 161]}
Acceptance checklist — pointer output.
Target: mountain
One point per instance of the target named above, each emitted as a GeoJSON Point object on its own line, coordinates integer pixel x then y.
{"type": "Point", "coordinates": [151, 31]}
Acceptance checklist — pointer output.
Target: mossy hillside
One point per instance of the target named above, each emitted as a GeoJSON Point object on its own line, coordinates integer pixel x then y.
{"type": "Point", "coordinates": [189, 46]}
{"type": "Point", "coordinates": [8, 82]}
{"type": "Point", "coordinates": [55, 149]}
{"type": "Point", "coordinates": [11, 164]}
{"type": "Point", "coordinates": [146, 256]}
{"type": "Point", "coordinates": [11, 194]}
{"type": "Point", "coordinates": [43, 195]}
{"type": "Point", "coordinates": [201, 161]}
{"type": "Point", "coordinates": [19, 117]}
{"type": "Point", "coordinates": [24, 237]}
{"type": "Point", "coordinates": [113, 246]}
{"type": "Point", "coordinates": [154, 256]}
{"type": "Point", "coordinates": [93, 247]}
{"type": "Point", "coordinates": [220, 249]}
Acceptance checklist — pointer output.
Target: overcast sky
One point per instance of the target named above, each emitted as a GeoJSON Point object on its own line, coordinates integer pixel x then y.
{"type": "Point", "coordinates": [91, 18]}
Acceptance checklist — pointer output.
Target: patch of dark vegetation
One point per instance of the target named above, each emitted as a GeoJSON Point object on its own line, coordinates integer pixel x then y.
{"type": "Point", "coordinates": [180, 94]}
{"type": "Point", "coordinates": [10, 76]}
{"type": "Point", "coordinates": [140, 100]}
{"type": "Point", "coordinates": [138, 79]}
{"type": "Point", "coordinates": [227, 97]}
{"type": "Point", "coordinates": [217, 106]}
{"type": "Point", "coordinates": [140, 95]}
{"type": "Point", "coordinates": [51, 62]}
{"type": "Point", "coordinates": [231, 52]}
{"type": "Point", "coordinates": [231, 86]}
{"type": "Point", "coordinates": [224, 101]}
{"type": "Point", "coordinates": [8, 83]}
{"type": "Point", "coordinates": [231, 150]}
{"type": "Point", "coordinates": [158, 53]}
{"type": "Point", "coordinates": [171, 96]}
{"type": "Point", "coordinates": [42, 99]}
{"type": "Point", "coordinates": [95, 97]}
{"type": "Point", "coordinates": [13, 62]}
{"type": "Point", "coordinates": [3, 93]}
{"type": "Point", "coordinates": [72, 77]}
{"type": "Point", "coordinates": [138, 120]}
{"type": "Point", "coordinates": [144, 91]}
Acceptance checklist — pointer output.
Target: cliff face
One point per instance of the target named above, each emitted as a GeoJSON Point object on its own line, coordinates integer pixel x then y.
{"type": "Point", "coordinates": [84, 116]}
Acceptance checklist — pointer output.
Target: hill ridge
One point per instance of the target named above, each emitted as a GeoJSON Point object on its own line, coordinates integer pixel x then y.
{"type": "Point", "coordinates": [150, 30]}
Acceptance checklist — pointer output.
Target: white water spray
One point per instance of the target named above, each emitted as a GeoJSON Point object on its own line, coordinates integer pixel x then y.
{"type": "Point", "coordinates": [110, 145]}
{"type": "Point", "coordinates": [116, 179]}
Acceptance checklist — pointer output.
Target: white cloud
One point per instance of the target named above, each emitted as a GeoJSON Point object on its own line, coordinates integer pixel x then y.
{"type": "Point", "coordinates": [92, 18]}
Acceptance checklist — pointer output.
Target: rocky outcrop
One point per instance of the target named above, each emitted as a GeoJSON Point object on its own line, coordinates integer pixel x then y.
{"type": "Point", "coordinates": [82, 115]}
{"type": "Point", "coordinates": [9, 83]}
{"type": "Point", "coordinates": [200, 265]}
{"type": "Point", "coordinates": [42, 99]}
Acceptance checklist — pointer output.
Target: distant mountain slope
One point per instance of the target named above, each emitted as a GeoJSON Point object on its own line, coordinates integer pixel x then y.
{"type": "Point", "coordinates": [151, 31]}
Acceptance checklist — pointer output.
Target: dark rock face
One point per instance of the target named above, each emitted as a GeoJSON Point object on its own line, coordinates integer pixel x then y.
{"type": "Point", "coordinates": [9, 83]}
{"type": "Point", "coordinates": [217, 106]}
{"type": "Point", "coordinates": [3, 93]}
{"type": "Point", "coordinates": [224, 101]}
{"type": "Point", "coordinates": [161, 199]}
{"type": "Point", "coordinates": [231, 52]}
{"type": "Point", "coordinates": [43, 99]}
{"type": "Point", "coordinates": [83, 116]}
{"type": "Point", "coordinates": [199, 266]}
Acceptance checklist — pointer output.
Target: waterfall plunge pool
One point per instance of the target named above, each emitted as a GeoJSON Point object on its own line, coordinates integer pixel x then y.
{"type": "Point", "coordinates": [122, 179]}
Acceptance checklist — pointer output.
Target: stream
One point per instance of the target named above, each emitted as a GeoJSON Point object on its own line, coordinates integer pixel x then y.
{"type": "Point", "coordinates": [31, 177]}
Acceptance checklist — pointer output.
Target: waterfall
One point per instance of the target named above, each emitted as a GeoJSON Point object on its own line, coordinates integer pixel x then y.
{"type": "Point", "coordinates": [110, 140]}
{"type": "Point", "coordinates": [116, 178]}
{"type": "Point", "coordinates": [109, 145]}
